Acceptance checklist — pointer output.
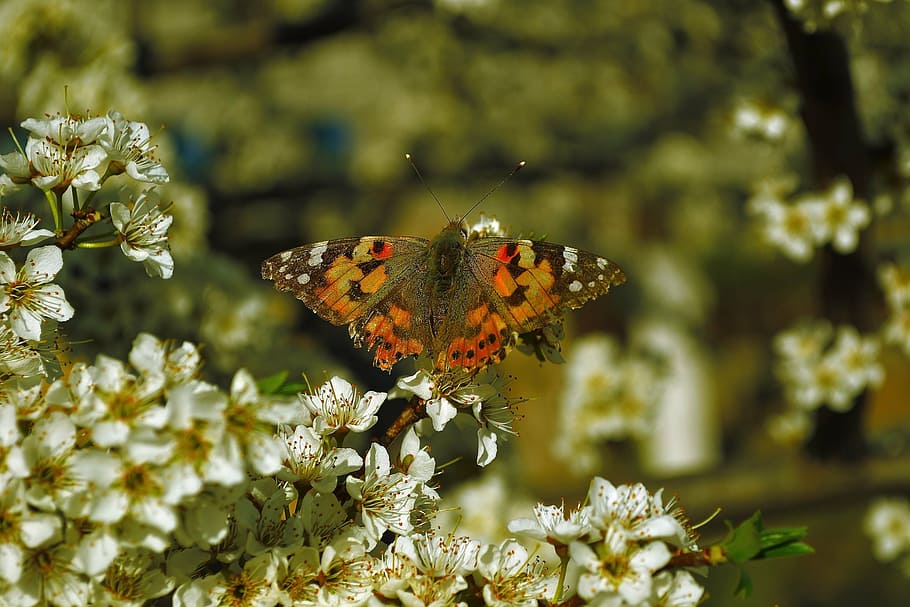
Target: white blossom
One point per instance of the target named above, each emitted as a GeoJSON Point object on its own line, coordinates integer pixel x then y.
{"type": "Point", "coordinates": [336, 407]}
{"type": "Point", "coordinates": [838, 218]}
{"type": "Point", "coordinates": [554, 524]}
{"type": "Point", "coordinates": [250, 420]}
{"type": "Point", "coordinates": [632, 508]}
{"type": "Point", "coordinates": [440, 555]}
{"type": "Point", "coordinates": [386, 498]}
{"type": "Point", "coordinates": [56, 167]}
{"type": "Point", "coordinates": [142, 229]}
{"type": "Point", "coordinates": [887, 523]}
{"type": "Point", "coordinates": [511, 578]}
{"type": "Point", "coordinates": [20, 229]}
{"type": "Point", "coordinates": [29, 295]}
{"type": "Point", "coordinates": [315, 459]}
{"type": "Point", "coordinates": [618, 567]}
{"type": "Point", "coordinates": [129, 148]}
{"type": "Point", "coordinates": [676, 589]}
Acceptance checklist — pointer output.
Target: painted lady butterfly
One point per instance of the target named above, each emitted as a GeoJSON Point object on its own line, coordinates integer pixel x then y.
{"type": "Point", "coordinates": [460, 299]}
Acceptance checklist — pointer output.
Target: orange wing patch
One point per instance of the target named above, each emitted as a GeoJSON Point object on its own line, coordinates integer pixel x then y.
{"type": "Point", "coordinates": [487, 343]}
{"type": "Point", "coordinates": [349, 278]}
{"type": "Point", "coordinates": [525, 283]}
{"type": "Point", "coordinates": [387, 332]}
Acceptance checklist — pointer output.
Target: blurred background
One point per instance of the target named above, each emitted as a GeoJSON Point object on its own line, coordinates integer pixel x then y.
{"type": "Point", "coordinates": [649, 130]}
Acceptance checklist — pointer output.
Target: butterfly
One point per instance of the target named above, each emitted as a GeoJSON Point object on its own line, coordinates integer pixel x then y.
{"type": "Point", "coordinates": [460, 298]}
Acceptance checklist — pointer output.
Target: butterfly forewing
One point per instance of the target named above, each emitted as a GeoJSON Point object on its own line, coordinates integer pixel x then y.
{"type": "Point", "coordinates": [342, 279]}
{"type": "Point", "coordinates": [533, 281]}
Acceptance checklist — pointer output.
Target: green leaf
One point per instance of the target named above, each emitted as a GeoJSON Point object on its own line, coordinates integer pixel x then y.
{"type": "Point", "coordinates": [276, 386]}
{"type": "Point", "coordinates": [790, 549]}
{"type": "Point", "coordinates": [744, 543]}
{"type": "Point", "coordinates": [743, 586]}
{"type": "Point", "coordinates": [750, 541]}
{"type": "Point", "coordinates": [273, 383]}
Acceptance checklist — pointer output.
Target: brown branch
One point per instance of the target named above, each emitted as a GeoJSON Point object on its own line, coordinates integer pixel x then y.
{"type": "Point", "coordinates": [85, 218]}
{"type": "Point", "coordinates": [413, 412]}
{"type": "Point", "coordinates": [702, 558]}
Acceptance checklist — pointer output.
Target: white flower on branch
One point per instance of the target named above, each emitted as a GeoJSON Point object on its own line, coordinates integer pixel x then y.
{"type": "Point", "coordinates": [129, 149]}
{"type": "Point", "coordinates": [315, 459]}
{"type": "Point", "coordinates": [512, 578]}
{"type": "Point", "coordinates": [554, 525]}
{"type": "Point", "coordinates": [20, 229]}
{"type": "Point", "coordinates": [336, 407]}
{"type": "Point", "coordinates": [618, 568]}
{"type": "Point", "coordinates": [385, 498]}
{"type": "Point", "coordinates": [29, 295]}
{"type": "Point", "coordinates": [142, 229]}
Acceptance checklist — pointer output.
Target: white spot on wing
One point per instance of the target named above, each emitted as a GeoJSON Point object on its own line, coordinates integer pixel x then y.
{"type": "Point", "coordinates": [286, 255]}
{"type": "Point", "coordinates": [303, 279]}
{"type": "Point", "coordinates": [601, 263]}
{"type": "Point", "coordinates": [316, 254]}
{"type": "Point", "coordinates": [591, 284]}
{"type": "Point", "coordinates": [575, 286]}
{"type": "Point", "coordinates": [570, 255]}
{"type": "Point", "coordinates": [282, 268]}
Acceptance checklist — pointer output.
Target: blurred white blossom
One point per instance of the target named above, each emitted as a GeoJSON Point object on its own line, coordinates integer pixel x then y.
{"type": "Point", "coordinates": [797, 227]}
{"type": "Point", "coordinates": [764, 121]}
{"type": "Point", "coordinates": [608, 395]}
{"type": "Point", "coordinates": [816, 371]}
{"type": "Point", "coordinates": [887, 523]}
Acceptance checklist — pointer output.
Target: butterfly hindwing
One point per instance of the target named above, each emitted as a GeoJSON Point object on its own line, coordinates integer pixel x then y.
{"type": "Point", "coordinates": [474, 333]}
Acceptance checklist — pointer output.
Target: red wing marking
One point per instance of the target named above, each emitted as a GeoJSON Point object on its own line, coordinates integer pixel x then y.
{"type": "Point", "coordinates": [381, 249]}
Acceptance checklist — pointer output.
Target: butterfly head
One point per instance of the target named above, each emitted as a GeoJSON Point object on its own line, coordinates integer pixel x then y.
{"type": "Point", "coordinates": [447, 251]}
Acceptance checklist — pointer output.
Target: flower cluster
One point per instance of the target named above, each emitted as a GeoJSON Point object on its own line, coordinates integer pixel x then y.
{"type": "Point", "coordinates": [80, 152]}
{"type": "Point", "coordinates": [820, 366]}
{"type": "Point", "coordinates": [618, 546]}
{"type": "Point", "coordinates": [446, 395]}
{"type": "Point", "coordinates": [608, 395]}
{"type": "Point", "coordinates": [797, 227]}
{"type": "Point", "coordinates": [68, 158]}
{"type": "Point", "coordinates": [887, 524]}
{"type": "Point", "coordinates": [123, 482]}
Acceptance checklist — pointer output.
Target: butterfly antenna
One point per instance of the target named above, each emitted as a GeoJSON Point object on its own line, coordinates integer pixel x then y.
{"type": "Point", "coordinates": [517, 168]}
{"type": "Point", "coordinates": [420, 177]}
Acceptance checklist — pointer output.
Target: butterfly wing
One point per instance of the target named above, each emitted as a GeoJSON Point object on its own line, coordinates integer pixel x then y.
{"type": "Point", "coordinates": [520, 286]}
{"type": "Point", "coordinates": [362, 282]}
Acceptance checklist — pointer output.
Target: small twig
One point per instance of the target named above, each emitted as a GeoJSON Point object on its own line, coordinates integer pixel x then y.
{"type": "Point", "coordinates": [709, 557]}
{"type": "Point", "coordinates": [414, 411]}
{"type": "Point", "coordinates": [85, 218]}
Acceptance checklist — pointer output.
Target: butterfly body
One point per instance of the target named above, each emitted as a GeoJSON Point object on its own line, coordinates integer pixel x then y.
{"type": "Point", "coordinates": [459, 299]}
